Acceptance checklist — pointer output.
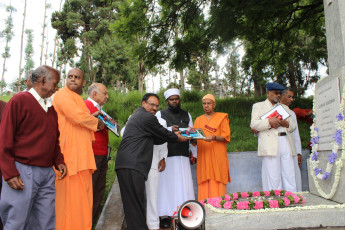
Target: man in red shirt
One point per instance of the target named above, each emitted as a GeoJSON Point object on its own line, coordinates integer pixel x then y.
{"type": "Point", "coordinates": [29, 148]}
{"type": "Point", "coordinates": [98, 96]}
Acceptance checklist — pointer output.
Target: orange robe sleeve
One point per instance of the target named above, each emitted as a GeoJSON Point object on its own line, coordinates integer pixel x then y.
{"type": "Point", "coordinates": [213, 163]}
{"type": "Point", "coordinates": [77, 128]}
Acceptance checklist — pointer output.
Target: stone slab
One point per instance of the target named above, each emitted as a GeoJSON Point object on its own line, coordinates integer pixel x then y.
{"type": "Point", "coordinates": [335, 32]}
{"type": "Point", "coordinates": [323, 155]}
{"type": "Point", "coordinates": [112, 216]}
{"type": "Point", "coordinates": [280, 220]}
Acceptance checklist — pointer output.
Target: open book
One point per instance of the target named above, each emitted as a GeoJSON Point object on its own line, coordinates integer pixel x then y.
{"type": "Point", "coordinates": [192, 133]}
{"type": "Point", "coordinates": [279, 110]}
{"type": "Point", "coordinates": [111, 124]}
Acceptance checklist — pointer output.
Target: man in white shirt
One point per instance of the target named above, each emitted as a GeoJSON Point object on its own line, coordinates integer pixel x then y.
{"type": "Point", "coordinates": [287, 99]}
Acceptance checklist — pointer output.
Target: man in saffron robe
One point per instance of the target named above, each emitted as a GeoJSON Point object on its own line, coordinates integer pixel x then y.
{"type": "Point", "coordinates": [213, 165]}
{"type": "Point", "coordinates": [77, 127]}
{"type": "Point", "coordinates": [29, 148]}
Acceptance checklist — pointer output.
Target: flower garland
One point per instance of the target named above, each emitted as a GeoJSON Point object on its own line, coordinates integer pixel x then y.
{"type": "Point", "coordinates": [315, 171]}
{"type": "Point", "coordinates": [230, 201]}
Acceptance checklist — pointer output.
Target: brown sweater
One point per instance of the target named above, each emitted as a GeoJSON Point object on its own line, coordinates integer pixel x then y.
{"type": "Point", "coordinates": [28, 135]}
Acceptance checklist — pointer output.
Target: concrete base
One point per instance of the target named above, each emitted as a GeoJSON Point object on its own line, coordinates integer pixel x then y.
{"type": "Point", "coordinates": [112, 216]}
{"type": "Point", "coordinates": [280, 220]}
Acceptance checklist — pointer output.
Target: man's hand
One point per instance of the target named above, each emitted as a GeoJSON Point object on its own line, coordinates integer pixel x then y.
{"type": "Point", "coordinates": [161, 165]}
{"type": "Point", "coordinates": [210, 138]}
{"type": "Point", "coordinates": [16, 183]}
{"type": "Point", "coordinates": [254, 131]}
{"type": "Point", "coordinates": [181, 138]}
{"type": "Point", "coordinates": [174, 128]}
{"type": "Point", "coordinates": [63, 170]}
{"type": "Point", "coordinates": [300, 160]}
{"type": "Point", "coordinates": [274, 122]}
{"type": "Point", "coordinates": [284, 124]}
{"type": "Point", "coordinates": [100, 125]}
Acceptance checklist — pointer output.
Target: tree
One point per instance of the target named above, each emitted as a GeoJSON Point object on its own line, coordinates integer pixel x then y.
{"type": "Point", "coordinates": [21, 50]}
{"type": "Point", "coordinates": [8, 34]}
{"type": "Point", "coordinates": [44, 25]}
{"type": "Point", "coordinates": [29, 51]}
{"type": "Point", "coordinates": [276, 35]}
{"type": "Point", "coordinates": [83, 22]}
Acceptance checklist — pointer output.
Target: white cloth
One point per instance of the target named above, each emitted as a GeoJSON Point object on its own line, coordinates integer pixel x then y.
{"type": "Point", "coordinates": [175, 182]}
{"type": "Point", "coordinates": [151, 185]}
{"type": "Point", "coordinates": [298, 145]}
{"type": "Point", "coordinates": [175, 185]}
{"type": "Point", "coordinates": [278, 172]}
{"type": "Point", "coordinates": [45, 104]}
{"type": "Point", "coordinates": [171, 92]}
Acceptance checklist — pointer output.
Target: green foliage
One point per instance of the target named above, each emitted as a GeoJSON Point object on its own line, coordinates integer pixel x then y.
{"type": "Point", "coordinates": [266, 204]}
{"type": "Point", "coordinates": [29, 51]}
{"type": "Point", "coordinates": [284, 40]}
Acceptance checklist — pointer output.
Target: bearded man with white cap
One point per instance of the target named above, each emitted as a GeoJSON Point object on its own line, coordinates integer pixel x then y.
{"type": "Point", "coordinates": [177, 175]}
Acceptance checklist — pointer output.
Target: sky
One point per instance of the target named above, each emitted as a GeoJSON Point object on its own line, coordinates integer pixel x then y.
{"type": "Point", "coordinates": [34, 21]}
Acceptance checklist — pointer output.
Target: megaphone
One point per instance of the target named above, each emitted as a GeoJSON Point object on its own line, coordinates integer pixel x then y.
{"type": "Point", "coordinates": [190, 215]}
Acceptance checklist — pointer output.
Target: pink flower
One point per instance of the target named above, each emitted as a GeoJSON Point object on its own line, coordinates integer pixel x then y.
{"type": "Point", "coordinates": [288, 193]}
{"type": "Point", "coordinates": [303, 200]}
{"type": "Point", "coordinates": [215, 202]}
{"type": "Point", "coordinates": [244, 194]}
{"type": "Point", "coordinates": [227, 197]}
{"type": "Point", "coordinates": [243, 205]}
{"type": "Point", "coordinates": [296, 198]}
{"type": "Point", "coordinates": [277, 192]}
{"type": "Point", "coordinates": [256, 193]}
{"type": "Point", "coordinates": [267, 193]}
{"type": "Point", "coordinates": [258, 204]}
{"type": "Point", "coordinates": [286, 201]}
{"type": "Point", "coordinates": [202, 202]}
{"type": "Point", "coordinates": [228, 205]}
{"type": "Point", "coordinates": [273, 203]}
{"type": "Point", "coordinates": [235, 196]}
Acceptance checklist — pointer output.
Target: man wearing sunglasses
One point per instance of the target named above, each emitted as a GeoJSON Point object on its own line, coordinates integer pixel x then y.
{"type": "Point", "coordinates": [275, 145]}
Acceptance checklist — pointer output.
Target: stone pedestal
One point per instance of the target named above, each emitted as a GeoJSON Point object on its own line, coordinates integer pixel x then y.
{"type": "Point", "coordinates": [333, 215]}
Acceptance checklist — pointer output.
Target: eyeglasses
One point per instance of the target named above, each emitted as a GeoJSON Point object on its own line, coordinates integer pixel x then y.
{"type": "Point", "coordinates": [153, 105]}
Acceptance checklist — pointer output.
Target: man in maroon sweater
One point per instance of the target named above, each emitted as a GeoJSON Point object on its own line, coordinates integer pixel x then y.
{"type": "Point", "coordinates": [98, 96]}
{"type": "Point", "coordinates": [29, 148]}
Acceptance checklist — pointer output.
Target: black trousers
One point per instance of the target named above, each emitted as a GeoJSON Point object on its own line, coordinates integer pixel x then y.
{"type": "Point", "coordinates": [132, 188]}
{"type": "Point", "coordinates": [99, 178]}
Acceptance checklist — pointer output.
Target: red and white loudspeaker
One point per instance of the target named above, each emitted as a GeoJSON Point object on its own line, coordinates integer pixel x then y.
{"type": "Point", "coordinates": [190, 215]}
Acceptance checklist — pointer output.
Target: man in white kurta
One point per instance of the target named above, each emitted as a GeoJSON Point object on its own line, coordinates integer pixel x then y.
{"type": "Point", "coordinates": [275, 145]}
{"type": "Point", "coordinates": [160, 153]}
{"type": "Point", "coordinates": [175, 182]}
{"type": "Point", "coordinates": [287, 99]}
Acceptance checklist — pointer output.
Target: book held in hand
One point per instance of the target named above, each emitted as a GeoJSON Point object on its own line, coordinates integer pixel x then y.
{"type": "Point", "coordinates": [111, 124]}
{"type": "Point", "coordinates": [276, 111]}
{"type": "Point", "coordinates": [192, 133]}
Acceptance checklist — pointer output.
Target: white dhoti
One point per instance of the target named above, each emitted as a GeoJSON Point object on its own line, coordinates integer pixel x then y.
{"type": "Point", "coordinates": [175, 185]}
{"type": "Point", "coordinates": [278, 172]}
{"type": "Point", "coordinates": [298, 176]}
{"type": "Point", "coordinates": [151, 186]}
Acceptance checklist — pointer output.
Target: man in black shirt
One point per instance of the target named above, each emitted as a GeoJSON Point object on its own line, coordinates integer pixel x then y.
{"type": "Point", "coordinates": [134, 157]}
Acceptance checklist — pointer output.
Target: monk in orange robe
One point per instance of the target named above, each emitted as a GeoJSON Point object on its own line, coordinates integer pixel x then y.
{"type": "Point", "coordinates": [213, 165]}
{"type": "Point", "coordinates": [74, 194]}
